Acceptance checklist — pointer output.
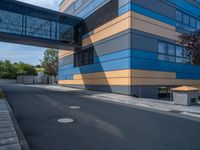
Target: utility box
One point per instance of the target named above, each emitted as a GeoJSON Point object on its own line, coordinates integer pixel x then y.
{"type": "Point", "coordinates": [185, 95]}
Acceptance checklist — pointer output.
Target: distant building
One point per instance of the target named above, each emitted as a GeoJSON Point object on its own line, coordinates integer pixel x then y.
{"type": "Point", "coordinates": [129, 46]}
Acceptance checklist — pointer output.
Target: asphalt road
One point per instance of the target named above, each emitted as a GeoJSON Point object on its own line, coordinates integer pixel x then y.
{"type": "Point", "coordinates": [98, 125]}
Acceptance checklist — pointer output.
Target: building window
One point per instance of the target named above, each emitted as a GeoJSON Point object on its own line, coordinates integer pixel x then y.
{"type": "Point", "coordinates": [166, 52]}
{"type": "Point", "coordinates": [186, 19]}
{"type": "Point", "coordinates": [84, 57]}
{"type": "Point", "coordinates": [172, 53]}
{"type": "Point", "coordinates": [171, 49]}
{"type": "Point", "coordinates": [104, 15]}
{"type": "Point", "coordinates": [180, 60]}
{"type": "Point", "coordinates": [166, 58]}
{"type": "Point", "coordinates": [179, 51]}
{"type": "Point", "coordinates": [162, 48]}
{"type": "Point", "coordinates": [198, 24]}
{"type": "Point", "coordinates": [164, 92]}
{"type": "Point", "coordinates": [179, 16]}
{"type": "Point", "coordinates": [192, 22]}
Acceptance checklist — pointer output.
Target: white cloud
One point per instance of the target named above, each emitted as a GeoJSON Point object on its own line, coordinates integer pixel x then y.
{"type": "Point", "coordinates": [51, 4]}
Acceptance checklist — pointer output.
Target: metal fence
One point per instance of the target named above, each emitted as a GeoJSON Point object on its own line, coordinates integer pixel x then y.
{"type": "Point", "coordinates": [36, 80]}
{"type": "Point", "coordinates": [8, 81]}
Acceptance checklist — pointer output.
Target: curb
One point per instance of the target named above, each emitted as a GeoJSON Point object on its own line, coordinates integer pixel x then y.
{"type": "Point", "coordinates": [22, 140]}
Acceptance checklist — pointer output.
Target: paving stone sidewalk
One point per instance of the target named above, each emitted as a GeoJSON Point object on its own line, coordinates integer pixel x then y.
{"type": "Point", "coordinates": [8, 136]}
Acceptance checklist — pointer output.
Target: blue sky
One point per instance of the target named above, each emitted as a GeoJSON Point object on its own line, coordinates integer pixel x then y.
{"type": "Point", "coordinates": [27, 54]}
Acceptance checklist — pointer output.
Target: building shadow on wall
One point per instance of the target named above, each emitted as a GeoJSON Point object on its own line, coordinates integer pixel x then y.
{"type": "Point", "coordinates": [94, 75]}
{"type": "Point", "coordinates": [98, 79]}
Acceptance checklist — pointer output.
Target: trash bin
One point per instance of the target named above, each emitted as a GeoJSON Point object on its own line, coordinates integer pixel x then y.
{"type": "Point", "coordinates": [185, 95]}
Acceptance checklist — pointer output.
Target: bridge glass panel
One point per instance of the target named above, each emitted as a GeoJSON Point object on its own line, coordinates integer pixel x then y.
{"type": "Point", "coordinates": [27, 20]}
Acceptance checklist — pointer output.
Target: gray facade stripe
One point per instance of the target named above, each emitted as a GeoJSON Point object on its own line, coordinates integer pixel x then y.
{"type": "Point", "coordinates": [141, 42]}
{"type": "Point", "coordinates": [145, 91]}
{"type": "Point", "coordinates": [163, 9]}
{"type": "Point", "coordinates": [103, 88]}
{"type": "Point", "coordinates": [145, 41]}
{"type": "Point", "coordinates": [106, 46]}
{"type": "Point", "coordinates": [111, 37]}
{"type": "Point", "coordinates": [181, 30]}
{"type": "Point", "coordinates": [121, 42]}
{"type": "Point", "coordinates": [112, 44]}
{"type": "Point", "coordinates": [66, 60]}
{"type": "Point", "coordinates": [194, 2]}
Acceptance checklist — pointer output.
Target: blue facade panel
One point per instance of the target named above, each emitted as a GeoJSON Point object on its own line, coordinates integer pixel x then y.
{"type": "Point", "coordinates": [109, 56]}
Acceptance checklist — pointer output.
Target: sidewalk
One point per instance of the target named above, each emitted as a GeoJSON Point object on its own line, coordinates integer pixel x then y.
{"type": "Point", "coordinates": [8, 136]}
{"type": "Point", "coordinates": [141, 102]}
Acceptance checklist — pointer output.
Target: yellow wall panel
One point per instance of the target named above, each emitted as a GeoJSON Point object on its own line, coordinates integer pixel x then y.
{"type": "Point", "coordinates": [135, 21]}
{"type": "Point", "coordinates": [125, 77]}
{"type": "Point", "coordinates": [113, 27]}
{"type": "Point", "coordinates": [122, 77]}
{"type": "Point", "coordinates": [109, 74]}
{"type": "Point", "coordinates": [127, 73]}
{"type": "Point", "coordinates": [112, 22]}
{"type": "Point", "coordinates": [135, 81]}
{"type": "Point", "coordinates": [64, 53]}
{"type": "Point", "coordinates": [152, 27]}
{"type": "Point", "coordinates": [152, 21]}
{"type": "Point", "coordinates": [153, 74]}
{"type": "Point", "coordinates": [159, 81]}
{"type": "Point", "coordinates": [114, 81]}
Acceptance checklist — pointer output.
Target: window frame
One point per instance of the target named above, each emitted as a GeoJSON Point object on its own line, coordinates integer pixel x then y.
{"type": "Point", "coordinates": [165, 47]}
{"type": "Point", "coordinates": [177, 16]}
{"type": "Point", "coordinates": [184, 19]}
{"type": "Point", "coordinates": [198, 24]}
{"type": "Point", "coordinates": [191, 23]}
{"type": "Point", "coordinates": [80, 59]}
{"type": "Point", "coordinates": [194, 22]}
{"type": "Point", "coordinates": [168, 49]}
{"type": "Point", "coordinates": [169, 57]}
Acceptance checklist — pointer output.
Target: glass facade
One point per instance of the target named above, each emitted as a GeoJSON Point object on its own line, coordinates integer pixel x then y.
{"type": "Point", "coordinates": [84, 57]}
{"type": "Point", "coordinates": [172, 53]}
{"type": "Point", "coordinates": [19, 19]}
{"type": "Point", "coordinates": [186, 21]}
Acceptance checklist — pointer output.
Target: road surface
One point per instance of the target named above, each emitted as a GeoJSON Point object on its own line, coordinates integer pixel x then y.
{"type": "Point", "coordinates": [97, 125]}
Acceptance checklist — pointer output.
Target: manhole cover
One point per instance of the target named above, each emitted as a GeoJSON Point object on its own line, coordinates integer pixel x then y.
{"type": "Point", "coordinates": [65, 120]}
{"type": "Point", "coordinates": [74, 107]}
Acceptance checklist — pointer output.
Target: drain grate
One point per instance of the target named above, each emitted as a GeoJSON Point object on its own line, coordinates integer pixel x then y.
{"type": "Point", "coordinates": [65, 120]}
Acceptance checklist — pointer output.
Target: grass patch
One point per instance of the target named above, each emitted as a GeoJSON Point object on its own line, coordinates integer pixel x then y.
{"type": "Point", "coordinates": [2, 95]}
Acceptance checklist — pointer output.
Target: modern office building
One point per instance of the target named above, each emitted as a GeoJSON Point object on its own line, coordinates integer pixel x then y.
{"type": "Point", "coordinates": [130, 46]}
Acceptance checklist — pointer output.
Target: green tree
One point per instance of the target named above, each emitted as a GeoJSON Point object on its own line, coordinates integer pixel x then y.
{"type": "Point", "coordinates": [8, 70]}
{"type": "Point", "coordinates": [12, 70]}
{"type": "Point", "coordinates": [50, 62]}
{"type": "Point", "coordinates": [25, 69]}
